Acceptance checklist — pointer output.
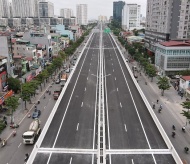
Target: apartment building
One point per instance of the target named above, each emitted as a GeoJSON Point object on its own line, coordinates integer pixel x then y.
{"type": "Point", "coordinates": [82, 14]}
{"type": "Point", "coordinates": [46, 9]}
{"type": "Point", "coordinates": [24, 8]}
{"type": "Point", "coordinates": [166, 20]}
{"type": "Point", "coordinates": [66, 13]}
{"type": "Point", "coordinates": [131, 17]}
{"type": "Point", "coordinates": [4, 8]}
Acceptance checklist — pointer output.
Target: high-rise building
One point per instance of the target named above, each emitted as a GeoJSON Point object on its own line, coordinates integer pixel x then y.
{"type": "Point", "coordinates": [117, 10]}
{"type": "Point", "coordinates": [66, 13]}
{"type": "Point", "coordinates": [81, 14]}
{"type": "Point", "coordinates": [24, 8]}
{"type": "Point", "coordinates": [102, 18]}
{"type": "Point", "coordinates": [46, 9]}
{"type": "Point", "coordinates": [131, 17]}
{"type": "Point", "coordinates": [166, 20]}
{"type": "Point", "coordinates": [4, 8]}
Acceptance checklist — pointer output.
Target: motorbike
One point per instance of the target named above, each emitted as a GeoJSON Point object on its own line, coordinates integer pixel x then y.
{"type": "Point", "coordinates": [49, 92]}
{"type": "Point", "coordinates": [159, 110]}
{"type": "Point", "coordinates": [14, 133]}
{"type": "Point", "coordinates": [173, 127]}
{"type": "Point", "coordinates": [183, 129]}
{"type": "Point", "coordinates": [3, 143]}
{"type": "Point", "coordinates": [14, 126]}
{"type": "Point", "coordinates": [38, 101]}
{"type": "Point", "coordinates": [153, 106]}
{"type": "Point", "coordinates": [173, 134]}
{"type": "Point", "coordinates": [186, 149]}
{"type": "Point", "coordinates": [26, 157]}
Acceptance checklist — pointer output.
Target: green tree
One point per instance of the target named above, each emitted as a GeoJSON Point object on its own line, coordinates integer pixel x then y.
{"type": "Point", "coordinates": [163, 84]}
{"type": "Point", "coordinates": [151, 71]}
{"type": "Point", "coordinates": [13, 84]}
{"type": "Point", "coordinates": [12, 103]}
{"type": "Point", "coordinates": [186, 105]}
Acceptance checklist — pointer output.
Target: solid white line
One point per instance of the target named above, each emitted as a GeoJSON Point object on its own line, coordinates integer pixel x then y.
{"type": "Point", "coordinates": [134, 104]}
{"type": "Point", "coordinates": [82, 104]}
{"type": "Point", "coordinates": [120, 105]}
{"type": "Point", "coordinates": [95, 109]}
{"type": "Point", "coordinates": [71, 160]}
{"type": "Point", "coordinates": [44, 107]}
{"type": "Point", "coordinates": [19, 145]}
{"type": "Point", "coordinates": [107, 113]}
{"type": "Point", "coordinates": [117, 89]}
{"type": "Point", "coordinates": [77, 127]}
{"type": "Point", "coordinates": [132, 161]}
{"type": "Point", "coordinates": [125, 127]}
{"type": "Point", "coordinates": [115, 78]}
{"type": "Point", "coordinates": [67, 107]}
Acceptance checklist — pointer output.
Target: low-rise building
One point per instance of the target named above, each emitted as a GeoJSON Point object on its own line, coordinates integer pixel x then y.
{"type": "Point", "coordinates": [172, 57]}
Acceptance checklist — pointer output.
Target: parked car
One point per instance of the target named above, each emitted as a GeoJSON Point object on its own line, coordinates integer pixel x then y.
{"type": "Point", "coordinates": [67, 70]}
{"type": "Point", "coordinates": [36, 114]}
{"type": "Point", "coordinates": [57, 81]}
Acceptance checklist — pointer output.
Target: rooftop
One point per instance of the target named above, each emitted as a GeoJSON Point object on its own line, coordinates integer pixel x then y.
{"type": "Point", "coordinates": [186, 78]}
{"type": "Point", "coordinates": [174, 44]}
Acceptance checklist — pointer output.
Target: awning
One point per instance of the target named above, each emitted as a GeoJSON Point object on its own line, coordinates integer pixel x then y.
{"type": "Point", "coordinates": [17, 56]}
{"type": "Point", "coordinates": [29, 58]}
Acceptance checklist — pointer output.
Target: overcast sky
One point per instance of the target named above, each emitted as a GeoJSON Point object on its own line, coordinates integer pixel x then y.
{"type": "Point", "coordinates": [95, 7]}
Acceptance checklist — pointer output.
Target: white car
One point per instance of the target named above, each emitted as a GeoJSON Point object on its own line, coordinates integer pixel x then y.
{"type": "Point", "coordinates": [67, 70]}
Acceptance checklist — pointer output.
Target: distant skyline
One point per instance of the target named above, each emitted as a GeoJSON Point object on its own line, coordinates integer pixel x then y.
{"type": "Point", "coordinates": [95, 7]}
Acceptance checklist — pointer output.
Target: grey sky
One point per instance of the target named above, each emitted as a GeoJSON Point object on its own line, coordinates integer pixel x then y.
{"type": "Point", "coordinates": [95, 7]}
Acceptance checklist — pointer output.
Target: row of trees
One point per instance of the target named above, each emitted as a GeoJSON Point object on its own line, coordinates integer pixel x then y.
{"type": "Point", "coordinates": [136, 50]}
{"type": "Point", "coordinates": [29, 89]}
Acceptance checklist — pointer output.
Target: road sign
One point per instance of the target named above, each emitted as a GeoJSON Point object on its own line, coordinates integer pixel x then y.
{"type": "Point", "coordinates": [107, 30]}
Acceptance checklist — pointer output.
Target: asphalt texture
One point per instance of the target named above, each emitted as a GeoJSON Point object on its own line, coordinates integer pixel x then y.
{"type": "Point", "coordinates": [129, 125]}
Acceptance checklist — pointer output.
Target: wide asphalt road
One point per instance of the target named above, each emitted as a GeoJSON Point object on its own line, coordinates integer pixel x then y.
{"type": "Point", "coordinates": [131, 134]}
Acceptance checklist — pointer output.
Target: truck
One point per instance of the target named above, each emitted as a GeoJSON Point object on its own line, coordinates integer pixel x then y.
{"type": "Point", "coordinates": [31, 136]}
{"type": "Point", "coordinates": [56, 94]}
{"type": "Point", "coordinates": [63, 79]}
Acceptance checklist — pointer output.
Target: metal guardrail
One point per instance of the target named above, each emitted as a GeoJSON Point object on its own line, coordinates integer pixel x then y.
{"type": "Point", "coordinates": [157, 122]}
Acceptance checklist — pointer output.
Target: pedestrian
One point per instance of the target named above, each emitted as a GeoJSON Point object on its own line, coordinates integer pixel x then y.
{"type": "Point", "coordinates": [5, 122]}
{"type": "Point", "coordinates": [157, 101]}
{"type": "Point", "coordinates": [4, 118]}
{"type": "Point", "coordinates": [181, 96]}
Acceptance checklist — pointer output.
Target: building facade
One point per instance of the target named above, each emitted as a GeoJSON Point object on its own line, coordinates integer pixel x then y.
{"type": "Point", "coordinates": [131, 17]}
{"type": "Point", "coordinates": [46, 9]}
{"type": "Point", "coordinates": [24, 8]}
{"type": "Point", "coordinates": [82, 14]}
{"type": "Point", "coordinates": [4, 8]}
{"type": "Point", "coordinates": [117, 10]}
{"type": "Point", "coordinates": [172, 57]}
{"type": "Point", "coordinates": [102, 18]}
{"type": "Point", "coordinates": [66, 13]}
{"type": "Point", "coordinates": [166, 20]}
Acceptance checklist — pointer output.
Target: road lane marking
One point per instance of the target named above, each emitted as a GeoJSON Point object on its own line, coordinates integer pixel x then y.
{"type": "Point", "coordinates": [77, 127]}
{"type": "Point", "coordinates": [19, 145]}
{"type": "Point", "coordinates": [132, 161]}
{"type": "Point", "coordinates": [89, 70]}
{"type": "Point", "coordinates": [44, 107]}
{"type": "Point", "coordinates": [113, 70]}
{"type": "Point", "coordinates": [85, 89]}
{"type": "Point", "coordinates": [125, 127]}
{"type": "Point", "coordinates": [120, 105]}
{"type": "Point", "coordinates": [90, 63]}
{"type": "Point", "coordinates": [82, 104]}
{"type": "Point", "coordinates": [115, 78]}
{"type": "Point", "coordinates": [87, 78]}
{"type": "Point", "coordinates": [117, 89]}
{"type": "Point", "coordinates": [112, 63]}
{"type": "Point", "coordinates": [71, 160]}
